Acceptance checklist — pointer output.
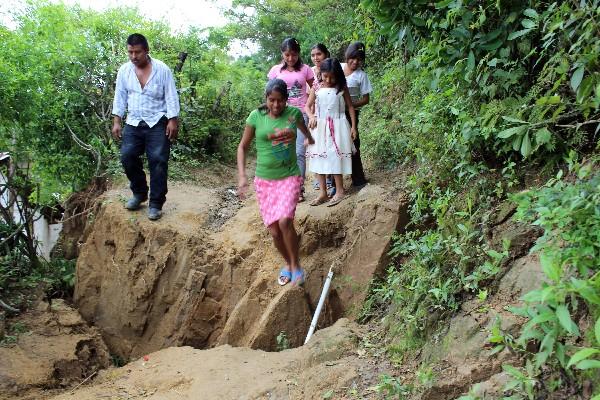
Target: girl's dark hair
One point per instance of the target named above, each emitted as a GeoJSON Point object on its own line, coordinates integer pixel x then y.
{"type": "Point", "coordinates": [138, 39]}
{"type": "Point", "coordinates": [323, 49]}
{"type": "Point", "coordinates": [291, 44]}
{"type": "Point", "coordinates": [356, 50]}
{"type": "Point", "coordinates": [332, 65]}
{"type": "Point", "coordinates": [274, 85]}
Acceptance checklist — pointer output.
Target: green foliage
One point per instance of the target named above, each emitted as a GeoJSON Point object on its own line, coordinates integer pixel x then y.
{"type": "Point", "coordinates": [311, 22]}
{"type": "Point", "coordinates": [13, 332]}
{"type": "Point", "coordinates": [56, 277]}
{"type": "Point", "coordinates": [441, 269]}
{"type": "Point", "coordinates": [57, 81]}
{"type": "Point", "coordinates": [392, 388]}
{"type": "Point", "coordinates": [477, 93]}
{"type": "Point", "coordinates": [568, 212]}
{"type": "Point", "coordinates": [59, 277]}
{"type": "Point", "coordinates": [283, 343]}
{"type": "Point", "coordinates": [440, 266]}
{"type": "Point", "coordinates": [504, 78]}
{"type": "Point", "coordinates": [523, 381]}
{"type": "Point", "coordinates": [117, 360]}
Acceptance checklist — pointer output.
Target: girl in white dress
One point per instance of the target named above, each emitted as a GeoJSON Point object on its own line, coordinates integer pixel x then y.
{"type": "Point", "coordinates": [332, 151]}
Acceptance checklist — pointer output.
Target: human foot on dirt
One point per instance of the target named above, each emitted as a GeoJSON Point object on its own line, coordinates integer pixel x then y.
{"type": "Point", "coordinates": [335, 200]}
{"type": "Point", "coordinates": [285, 276]}
{"type": "Point", "coordinates": [298, 277]}
{"type": "Point", "coordinates": [319, 200]}
{"type": "Point", "coordinates": [154, 214]}
{"type": "Point", "coordinates": [134, 203]}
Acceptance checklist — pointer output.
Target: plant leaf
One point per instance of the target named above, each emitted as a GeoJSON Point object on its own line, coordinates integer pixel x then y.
{"type": "Point", "coordinates": [493, 45]}
{"type": "Point", "coordinates": [513, 371]}
{"type": "Point", "coordinates": [471, 61]}
{"type": "Point", "coordinates": [516, 144]}
{"type": "Point", "coordinates": [526, 146]}
{"type": "Point", "coordinates": [588, 364]}
{"type": "Point", "coordinates": [585, 89]}
{"type": "Point", "coordinates": [516, 130]}
{"type": "Point", "coordinates": [516, 120]}
{"type": "Point", "coordinates": [531, 13]}
{"type": "Point", "coordinates": [528, 24]}
{"type": "Point", "coordinates": [543, 136]}
{"type": "Point", "coordinates": [597, 330]}
{"type": "Point", "coordinates": [582, 355]}
{"type": "Point", "coordinates": [577, 77]}
{"type": "Point", "coordinates": [518, 34]}
{"type": "Point", "coordinates": [443, 4]}
{"type": "Point", "coordinates": [549, 267]}
{"type": "Point", "coordinates": [564, 317]}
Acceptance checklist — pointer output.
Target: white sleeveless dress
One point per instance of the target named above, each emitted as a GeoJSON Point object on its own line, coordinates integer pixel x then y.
{"type": "Point", "coordinates": [332, 151]}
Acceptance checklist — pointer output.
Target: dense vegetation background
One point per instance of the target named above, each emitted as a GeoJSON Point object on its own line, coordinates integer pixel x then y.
{"type": "Point", "coordinates": [475, 100]}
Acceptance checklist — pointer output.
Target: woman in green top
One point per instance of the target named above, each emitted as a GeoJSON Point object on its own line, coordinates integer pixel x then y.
{"type": "Point", "coordinates": [277, 179]}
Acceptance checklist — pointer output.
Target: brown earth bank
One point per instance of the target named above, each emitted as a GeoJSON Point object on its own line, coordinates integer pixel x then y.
{"type": "Point", "coordinates": [55, 348]}
{"type": "Point", "coordinates": [186, 281]}
{"type": "Point", "coordinates": [205, 275]}
{"type": "Point", "coordinates": [174, 296]}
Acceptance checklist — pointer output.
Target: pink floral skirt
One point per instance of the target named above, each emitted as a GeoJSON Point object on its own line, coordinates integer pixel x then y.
{"type": "Point", "coordinates": [277, 198]}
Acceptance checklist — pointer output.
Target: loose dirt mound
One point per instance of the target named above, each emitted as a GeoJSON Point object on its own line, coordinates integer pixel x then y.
{"type": "Point", "coordinates": [151, 285]}
{"type": "Point", "coordinates": [55, 349]}
{"type": "Point", "coordinates": [327, 363]}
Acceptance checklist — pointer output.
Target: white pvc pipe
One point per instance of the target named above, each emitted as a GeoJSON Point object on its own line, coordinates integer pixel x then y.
{"type": "Point", "coordinates": [313, 324]}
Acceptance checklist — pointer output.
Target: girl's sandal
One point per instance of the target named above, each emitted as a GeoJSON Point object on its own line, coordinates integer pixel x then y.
{"type": "Point", "coordinates": [318, 201]}
{"type": "Point", "coordinates": [285, 277]}
{"type": "Point", "coordinates": [298, 277]}
{"type": "Point", "coordinates": [335, 200]}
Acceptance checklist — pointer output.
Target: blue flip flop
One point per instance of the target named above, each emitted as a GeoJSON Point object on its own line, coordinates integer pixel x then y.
{"type": "Point", "coordinates": [284, 273]}
{"type": "Point", "coordinates": [298, 277]}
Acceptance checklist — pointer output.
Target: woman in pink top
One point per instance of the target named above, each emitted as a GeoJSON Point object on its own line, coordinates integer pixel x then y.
{"type": "Point", "coordinates": [296, 75]}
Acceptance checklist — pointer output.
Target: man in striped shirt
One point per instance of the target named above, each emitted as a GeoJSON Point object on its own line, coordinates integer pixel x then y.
{"type": "Point", "coordinates": [146, 90]}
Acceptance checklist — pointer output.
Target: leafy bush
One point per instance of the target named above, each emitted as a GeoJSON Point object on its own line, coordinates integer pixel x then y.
{"type": "Point", "coordinates": [529, 70]}
{"type": "Point", "coordinates": [58, 76]}
{"type": "Point", "coordinates": [569, 252]}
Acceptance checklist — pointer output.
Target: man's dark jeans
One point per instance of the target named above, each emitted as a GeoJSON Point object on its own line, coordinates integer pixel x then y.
{"type": "Point", "coordinates": [136, 140]}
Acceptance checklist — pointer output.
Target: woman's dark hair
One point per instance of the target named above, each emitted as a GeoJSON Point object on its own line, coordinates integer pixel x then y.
{"type": "Point", "coordinates": [275, 85]}
{"type": "Point", "coordinates": [291, 44]}
{"type": "Point", "coordinates": [322, 48]}
{"type": "Point", "coordinates": [332, 65]}
{"type": "Point", "coordinates": [356, 50]}
{"type": "Point", "coordinates": [138, 39]}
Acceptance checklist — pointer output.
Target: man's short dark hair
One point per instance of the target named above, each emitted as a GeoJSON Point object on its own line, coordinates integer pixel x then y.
{"type": "Point", "coordinates": [138, 39]}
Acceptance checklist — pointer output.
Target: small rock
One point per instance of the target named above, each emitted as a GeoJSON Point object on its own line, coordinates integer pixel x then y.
{"type": "Point", "coordinates": [42, 306]}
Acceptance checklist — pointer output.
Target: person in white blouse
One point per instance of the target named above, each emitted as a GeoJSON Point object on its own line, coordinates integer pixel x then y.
{"type": "Point", "coordinates": [145, 90]}
{"type": "Point", "coordinates": [360, 88]}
